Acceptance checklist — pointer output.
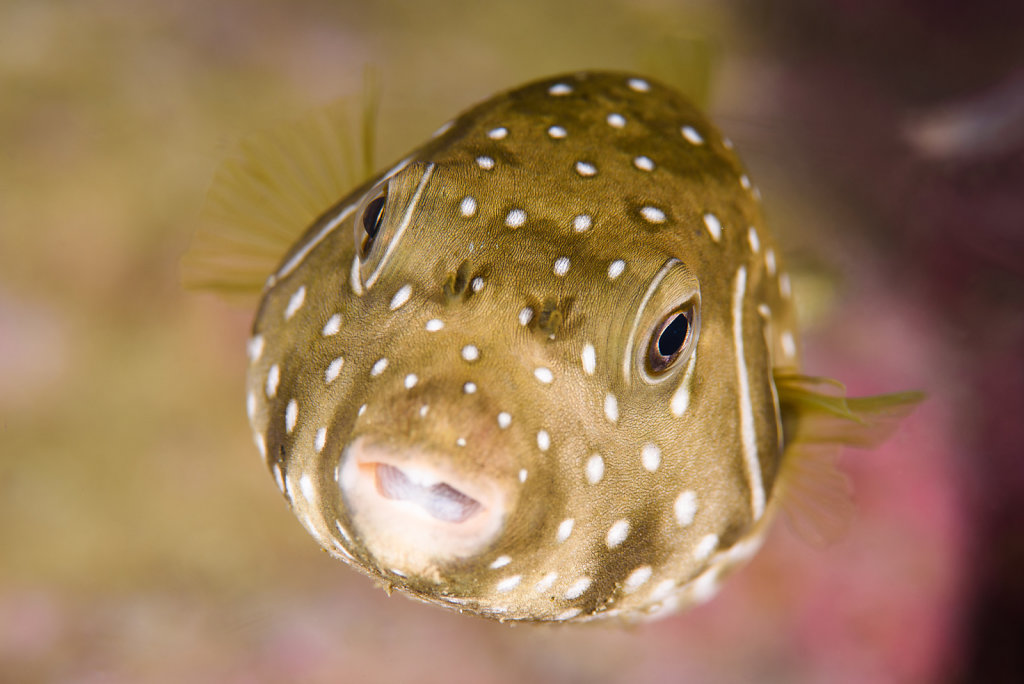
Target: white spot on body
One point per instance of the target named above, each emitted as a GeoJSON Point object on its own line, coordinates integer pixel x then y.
{"type": "Point", "coordinates": [653, 214]}
{"type": "Point", "coordinates": [544, 375]}
{"type": "Point", "coordinates": [411, 380]}
{"type": "Point", "coordinates": [333, 370]}
{"type": "Point", "coordinates": [497, 133]}
{"type": "Point", "coordinates": [250, 405]}
{"type": "Point", "coordinates": [650, 456]}
{"type": "Point", "coordinates": [469, 388]}
{"type": "Point", "coordinates": [705, 546]}
{"type": "Point", "coordinates": [561, 266]}
{"type": "Point", "coordinates": [747, 436]}
{"type": "Point", "coordinates": [477, 284]}
{"type": "Point", "coordinates": [755, 242]}
{"type": "Point", "coordinates": [525, 315]}
{"type": "Point", "coordinates": [504, 420]}
{"type": "Point", "coordinates": [485, 163]}
{"type": "Point", "coordinates": [273, 380]}
{"type": "Point", "coordinates": [261, 445]}
{"type": "Point", "coordinates": [442, 129]}
{"type": "Point", "coordinates": [785, 287]}
{"type": "Point", "coordinates": [333, 326]}
{"type": "Point", "coordinates": [515, 218]}
{"type": "Point", "coordinates": [560, 89]}
{"type": "Point", "coordinates": [714, 226]}
{"type": "Point", "coordinates": [636, 579]}
{"type": "Point", "coordinates": [663, 589]}
{"type": "Point", "coordinates": [291, 416]}
{"type": "Point", "coordinates": [379, 367]}
{"type": "Point", "coordinates": [745, 182]}
{"type": "Point", "coordinates": [769, 262]}
{"type": "Point", "coordinates": [581, 223]}
{"type": "Point", "coordinates": [685, 507]}
{"type": "Point", "coordinates": [500, 562]}
{"type": "Point", "coordinates": [295, 303]}
{"type": "Point", "coordinates": [616, 120]}
{"type": "Point", "coordinates": [611, 408]}
{"type": "Point", "coordinates": [788, 344]}
{"type": "Point", "coordinates": [461, 441]}
{"type": "Point", "coordinates": [764, 310]}
{"type": "Point", "coordinates": [470, 353]}
{"type": "Point", "coordinates": [595, 469]}
{"type": "Point", "coordinates": [307, 488]}
{"type": "Point", "coordinates": [616, 268]}
{"type": "Point", "coordinates": [434, 324]}
{"type": "Point", "coordinates": [509, 583]}
{"type": "Point", "coordinates": [577, 588]}
{"type": "Point", "coordinates": [546, 582]}
{"type": "Point", "coordinates": [362, 410]}
{"type": "Point", "coordinates": [691, 134]}
{"type": "Point", "coordinates": [522, 475]}
{"type": "Point", "coordinates": [589, 358]}
{"type": "Point", "coordinates": [401, 297]}
{"type": "Point", "coordinates": [543, 440]}
{"type": "Point", "coordinates": [320, 440]}
{"type": "Point", "coordinates": [255, 348]}
{"type": "Point", "coordinates": [639, 85]}
{"type": "Point", "coordinates": [423, 410]}
{"type": "Point", "coordinates": [585, 169]}
{"type": "Point", "coordinates": [643, 163]}
{"type": "Point", "coordinates": [705, 586]}
{"type": "Point", "coordinates": [557, 132]}
{"type": "Point", "coordinates": [617, 533]}
{"type": "Point", "coordinates": [564, 529]}
{"type": "Point", "coordinates": [467, 207]}
{"type": "Point", "coordinates": [681, 397]}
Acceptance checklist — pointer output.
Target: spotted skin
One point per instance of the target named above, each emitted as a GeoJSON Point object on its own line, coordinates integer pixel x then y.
{"type": "Point", "coordinates": [527, 254]}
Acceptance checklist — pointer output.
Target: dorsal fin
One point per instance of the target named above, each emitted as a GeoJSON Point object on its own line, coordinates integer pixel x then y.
{"type": "Point", "coordinates": [818, 419]}
{"type": "Point", "coordinates": [272, 188]}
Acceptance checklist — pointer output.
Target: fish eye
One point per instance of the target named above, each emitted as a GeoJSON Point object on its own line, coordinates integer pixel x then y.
{"type": "Point", "coordinates": [371, 219]}
{"type": "Point", "coordinates": [669, 340]}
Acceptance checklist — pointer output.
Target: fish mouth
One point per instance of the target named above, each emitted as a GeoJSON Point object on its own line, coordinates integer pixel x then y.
{"type": "Point", "coordinates": [415, 508]}
{"type": "Point", "coordinates": [441, 500]}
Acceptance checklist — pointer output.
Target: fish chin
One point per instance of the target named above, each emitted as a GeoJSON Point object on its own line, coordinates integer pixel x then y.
{"type": "Point", "coordinates": [414, 510]}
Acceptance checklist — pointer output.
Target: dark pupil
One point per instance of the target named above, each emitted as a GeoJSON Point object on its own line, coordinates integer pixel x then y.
{"type": "Point", "coordinates": [673, 336]}
{"type": "Point", "coordinates": [372, 216]}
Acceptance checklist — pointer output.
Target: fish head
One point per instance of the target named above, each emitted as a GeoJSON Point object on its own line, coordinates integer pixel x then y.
{"type": "Point", "coordinates": [509, 383]}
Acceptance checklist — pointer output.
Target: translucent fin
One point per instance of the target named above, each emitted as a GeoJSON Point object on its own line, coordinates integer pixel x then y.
{"type": "Point", "coordinates": [817, 410]}
{"type": "Point", "coordinates": [815, 495]}
{"type": "Point", "coordinates": [272, 188]}
{"type": "Point", "coordinates": [684, 61]}
{"type": "Point", "coordinates": [818, 419]}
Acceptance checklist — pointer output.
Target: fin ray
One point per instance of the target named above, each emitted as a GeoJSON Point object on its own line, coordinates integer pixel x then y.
{"type": "Point", "coordinates": [272, 188]}
{"type": "Point", "coordinates": [818, 419]}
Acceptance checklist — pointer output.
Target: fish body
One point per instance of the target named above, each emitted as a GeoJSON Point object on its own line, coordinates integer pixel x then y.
{"type": "Point", "coordinates": [528, 372]}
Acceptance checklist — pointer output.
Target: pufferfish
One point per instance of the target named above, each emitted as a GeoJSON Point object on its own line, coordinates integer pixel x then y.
{"type": "Point", "coordinates": [545, 367]}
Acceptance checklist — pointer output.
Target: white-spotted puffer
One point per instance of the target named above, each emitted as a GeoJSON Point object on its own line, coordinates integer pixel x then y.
{"type": "Point", "coordinates": [533, 371]}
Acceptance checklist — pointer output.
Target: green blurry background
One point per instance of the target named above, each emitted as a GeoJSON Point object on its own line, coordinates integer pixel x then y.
{"type": "Point", "coordinates": [142, 539]}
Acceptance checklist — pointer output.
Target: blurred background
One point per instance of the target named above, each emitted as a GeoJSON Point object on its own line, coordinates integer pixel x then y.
{"type": "Point", "coordinates": [142, 539]}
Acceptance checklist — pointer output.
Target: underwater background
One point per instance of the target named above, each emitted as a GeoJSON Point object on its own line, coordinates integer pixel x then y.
{"type": "Point", "coordinates": [142, 539]}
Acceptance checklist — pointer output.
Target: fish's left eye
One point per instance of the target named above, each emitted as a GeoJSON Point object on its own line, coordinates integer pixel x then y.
{"type": "Point", "coordinates": [371, 219]}
{"type": "Point", "coordinates": [669, 340]}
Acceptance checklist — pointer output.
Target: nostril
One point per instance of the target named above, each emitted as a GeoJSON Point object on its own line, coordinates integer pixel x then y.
{"type": "Point", "coordinates": [440, 500]}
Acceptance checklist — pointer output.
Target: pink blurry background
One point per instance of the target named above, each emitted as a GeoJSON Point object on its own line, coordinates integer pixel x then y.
{"type": "Point", "coordinates": [143, 541]}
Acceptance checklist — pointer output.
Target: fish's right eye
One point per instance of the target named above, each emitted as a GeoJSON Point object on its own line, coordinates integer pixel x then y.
{"type": "Point", "coordinates": [670, 339]}
{"type": "Point", "coordinates": [371, 219]}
